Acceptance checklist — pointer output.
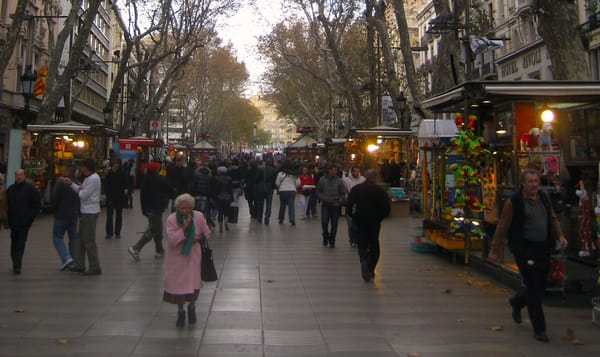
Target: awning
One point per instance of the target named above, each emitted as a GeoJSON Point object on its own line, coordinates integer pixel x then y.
{"type": "Point", "coordinates": [204, 145]}
{"type": "Point", "coordinates": [66, 127]}
{"type": "Point", "coordinates": [432, 128]}
{"type": "Point", "coordinates": [303, 141]}
{"type": "Point", "coordinates": [383, 130]}
{"type": "Point", "coordinates": [133, 142]}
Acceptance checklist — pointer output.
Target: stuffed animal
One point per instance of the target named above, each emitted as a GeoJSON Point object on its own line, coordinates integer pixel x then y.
{"type": "Point", "coordinates": [534, 139]}
{"type": "Point", "coordinates": [546, 136]}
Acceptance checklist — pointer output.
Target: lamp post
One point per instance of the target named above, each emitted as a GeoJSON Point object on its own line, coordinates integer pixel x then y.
{"type": "Point", "coordinates": [27, 82]}
{"type": "Point", "coordinates": [402, 109]}
{"type": "Point", "coordinates": [108, 117]}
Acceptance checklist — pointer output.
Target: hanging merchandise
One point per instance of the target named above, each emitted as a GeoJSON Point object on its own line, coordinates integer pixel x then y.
{"type": "Point", "coordinates": [470, 165]}
{"type": "Point", "coordinates": [584, 220]}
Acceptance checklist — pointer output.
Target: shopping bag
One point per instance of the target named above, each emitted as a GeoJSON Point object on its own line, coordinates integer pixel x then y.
{"type": "Point", "coordinates": [207, 270]}
{"type": "Point", "coordinates": [557, 270]}
{"type": "Point", "coordinates": [233, 214]}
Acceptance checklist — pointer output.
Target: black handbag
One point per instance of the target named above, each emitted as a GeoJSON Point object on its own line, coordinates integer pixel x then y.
{"type": "Point", "coordinates": [207, 270]}
{"type": "Point", "coordinates": [234, 212]}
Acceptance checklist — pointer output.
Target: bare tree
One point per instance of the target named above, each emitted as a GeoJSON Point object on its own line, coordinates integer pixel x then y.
{"type": "Point", "coordinates": [12, 36]}
{"type": "Point", "coordinates": [557, 25]}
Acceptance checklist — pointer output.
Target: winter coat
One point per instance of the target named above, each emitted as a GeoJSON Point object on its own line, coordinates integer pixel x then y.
{"type": "Point", "coordinates": [115, 184]}
{"type": "Point", "coordinates": [24, 203]}
{"type": "Point", "coordinates": [155, 193]}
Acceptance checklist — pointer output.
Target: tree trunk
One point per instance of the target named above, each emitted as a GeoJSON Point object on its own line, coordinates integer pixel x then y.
{"type": "Point", "coordinates": [12, 36]}
{"type": "Point", "coordinates": [447, 69]}
{"type": "Point", "coordinates": [409, 64]}
{"type": "Point", "coordinates": [57, 84]}
{"type": "Point", "coordinates": [557, 20]}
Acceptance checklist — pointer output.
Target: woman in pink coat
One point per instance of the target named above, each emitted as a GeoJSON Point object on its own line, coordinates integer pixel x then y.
{"type": "Point", "coordinates": [183, 257]}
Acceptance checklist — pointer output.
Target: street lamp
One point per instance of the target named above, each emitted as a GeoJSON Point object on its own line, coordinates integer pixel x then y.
{"type": "Point", "coordinates": [27, 82]}
{"type": "Point", "coordinates": [108, 117]}
{"type": "Point", "coordinates": [402, 109]}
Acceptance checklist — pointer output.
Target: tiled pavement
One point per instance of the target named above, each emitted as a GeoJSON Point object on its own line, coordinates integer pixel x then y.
{"type": "Point", "coordinates": [280, 293]}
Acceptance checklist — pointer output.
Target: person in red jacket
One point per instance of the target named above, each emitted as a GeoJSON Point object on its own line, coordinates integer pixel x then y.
{"type": "Point", "coordinates": [307, 186]}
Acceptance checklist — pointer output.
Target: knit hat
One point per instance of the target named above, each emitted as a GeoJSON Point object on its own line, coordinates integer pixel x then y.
{"type": "Point", "coordinates": [221, 170]}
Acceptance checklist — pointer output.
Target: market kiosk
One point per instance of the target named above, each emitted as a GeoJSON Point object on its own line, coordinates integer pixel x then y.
{"type": "Point", "coordinates": [139, 149]}
{"type": "Point", "coordinates": [553, 126]}
{"type": "Point", "coordinates": [53, 147]}
{"type": "Point", "coordinates": [203, 150]}
{"type": "Point", "coordinates": [305, 148]}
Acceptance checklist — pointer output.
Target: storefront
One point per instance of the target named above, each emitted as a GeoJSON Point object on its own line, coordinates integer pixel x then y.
{"type": "Point", "coordinates": [140, 150]}
{"type": "Point", "coordinates": [553, 126]}
{"type": "Point", "coordinates": [203, 151]}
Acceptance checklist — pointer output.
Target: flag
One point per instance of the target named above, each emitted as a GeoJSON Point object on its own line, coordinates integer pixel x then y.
{"type": "Point", "coordinates": [40, 81]}
{"type": "Point", "coordinates": [481, 44]}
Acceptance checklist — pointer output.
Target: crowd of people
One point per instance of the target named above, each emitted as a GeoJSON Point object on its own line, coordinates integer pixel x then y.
{"type": "Point", "coordinates": [201, 196]}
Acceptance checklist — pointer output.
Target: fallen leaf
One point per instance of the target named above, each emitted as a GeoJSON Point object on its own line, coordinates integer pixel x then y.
{"type": "Point", "coordinates": [19, 310]}
{"type": "Point", "coordinates": [270, 281]}
{"type": "Point", "coordinates": [413, 354]}
{"type": "Point", "coordinates": [577, 342]}
{"type": "Point", "coordinates": [63, 341]}
{"type": "Point", "coordinates": [496, 328]}
{"type": "Point", "coordinates": [448, 291]}
{"type": "Point", "coordinates": [460, 320]}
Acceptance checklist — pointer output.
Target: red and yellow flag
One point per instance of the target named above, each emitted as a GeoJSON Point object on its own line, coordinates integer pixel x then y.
{"type": "Point", "coordinates": [40, 82]}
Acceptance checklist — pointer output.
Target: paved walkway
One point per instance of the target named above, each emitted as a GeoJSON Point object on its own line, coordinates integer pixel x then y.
{"type": "Point", "coordinates": [280, 293]}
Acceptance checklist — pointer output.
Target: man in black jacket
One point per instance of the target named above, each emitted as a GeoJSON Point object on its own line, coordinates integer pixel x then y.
{"type": "Point", "coordinates": [532, 229]}
{"type": "Point", "coordinates": [264, 185]}
{"type": "Point", "coordinates": [154, 198]}
{"type": "Point", "coordinates": [368, 204]}
{"type": "Point", "coordinates": [24, 203]}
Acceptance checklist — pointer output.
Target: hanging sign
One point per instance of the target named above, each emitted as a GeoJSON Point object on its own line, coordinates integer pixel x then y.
{"type": "Point", "coordinates": [154, 125]}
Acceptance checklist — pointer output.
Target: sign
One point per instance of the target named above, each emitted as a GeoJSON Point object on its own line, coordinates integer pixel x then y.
{"type": "Point", "coordinates": [305, 129]}
{"type": "Point", "coordinates": [154, 125]}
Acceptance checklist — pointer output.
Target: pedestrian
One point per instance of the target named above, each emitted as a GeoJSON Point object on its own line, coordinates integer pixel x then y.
{"type": "Point", "coordinates": [352, 179]}
{"type": "Point", "coordinates": [222, 196]}
{"type": "Point", "coordinates": [287, 182]}
{"type": "Point", "coordinates": [89, 200]}
{"type": "Point", "coordinates": [266, 177]}
{"type": "Point", "coordinates": [202, 185]}
{"type": "Point", "coordinates": [332, 193]}
{"type": "Point", "coordinates": [155, 195]}
{"type": "Point", "coordinates": [182, 279]}
{"type": "Point", "coordinates": [65, 204]}
{"type": "Point", "coordinates": [3, 203]}
{"type": "Point", "coordinates": [116, 188]}
{"type": "Point", "coordinates": [180, 177]}
{"type": "Point", "coordinates": [130, 170]}
{"type": "Point", "coordinates": [307, 186]}
{"type": "Point", "coordinates": [533, 231]}
{"type": "Point", "coordinates": [23, 203]}
{"type": "Point", "coordinates": [312, 199]}
{"type": "Point", "coordinates": [368, 204]}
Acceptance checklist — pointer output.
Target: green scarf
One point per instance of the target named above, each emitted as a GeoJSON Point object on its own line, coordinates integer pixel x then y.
{"type": "Point", "coordinates": [189, 233]}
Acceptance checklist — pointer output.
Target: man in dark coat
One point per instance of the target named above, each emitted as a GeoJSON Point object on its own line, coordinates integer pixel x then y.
{"type": "Point", "coordinates": [264, 185]}
{"type": "Point", "coordinates": [116, 187]}
{"type": "Point", "coordinates": [532, 229]}
{"type": "Point", "coordinates": [368, 204]}
{"type": "Point", "coordinates": [154, 198]}
{"type": "Point", "coordinates": [24, 203]}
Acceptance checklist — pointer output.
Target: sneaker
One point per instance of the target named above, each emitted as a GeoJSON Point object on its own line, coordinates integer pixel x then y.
{"type": "Point", "coordinates": [159, 255]}
{"type": "Point", "coordinates": [541, 336]}
{"type": "Point", "coordinates": [134, 253]}
{"type": "Point", "coordinates": [108, 236]}
{"type": "Point", "coordinates": [516, 312]}
{"type": "Point", "coordinates": [118, 236]}
{"type": "Point", "coordinates": [66, 264]}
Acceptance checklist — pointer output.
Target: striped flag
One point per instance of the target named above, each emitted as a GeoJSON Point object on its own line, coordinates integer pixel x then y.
{"type": "Point", "coordinates": [40, 82]}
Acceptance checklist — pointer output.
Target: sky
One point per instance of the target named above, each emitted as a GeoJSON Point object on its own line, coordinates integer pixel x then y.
{"type": "Point", "coordinates": [243, 29]}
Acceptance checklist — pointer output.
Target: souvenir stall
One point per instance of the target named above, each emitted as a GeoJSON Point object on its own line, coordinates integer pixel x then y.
{"type": "Point", "coordinates": [55, 146]}
{"type": "Point", "coordinates": [305, 148]}
{"type": "Point", "coordinates": [203, 150]}
{"type": "Point", "coordinates": [552, 126]}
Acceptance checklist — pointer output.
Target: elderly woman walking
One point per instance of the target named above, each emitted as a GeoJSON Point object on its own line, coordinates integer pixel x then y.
{"type": "Point", "coordinates": [182, 282]}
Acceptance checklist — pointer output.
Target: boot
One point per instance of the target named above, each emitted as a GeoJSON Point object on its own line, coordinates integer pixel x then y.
{"type": "Point", "coordinates": [220, 227]}
{"type": "Point", "coordinates": [180, 319]}
{"type": "Point", "coordinates": [191, 314]}
{"type": "Point", "coordinates": [226, 227]}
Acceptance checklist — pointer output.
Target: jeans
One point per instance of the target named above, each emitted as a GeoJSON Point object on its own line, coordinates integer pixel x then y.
{"type": "Point", "coordinates": [352, 230]}
{"type": "Point", "coordinates": [153, 232]}
{"type": "Point", "coordinates": [287, 198]}
{"type": "Point", "coordinates": [268, 204]}
{"type": "Point", "coordinates": [86, 243]}
{"type": "Point", "coordinates": [329, 213]}
{"type": "Point", "coordinates": [368, 244]}
{"type": "Point", "coordinates": [18, 238]}
{"type": "Point", "coordinates": [62, 225]}
{"type": "Point", "coordinates": [534, 276]}
{"type": "Point", "coordinates": [118, 212]}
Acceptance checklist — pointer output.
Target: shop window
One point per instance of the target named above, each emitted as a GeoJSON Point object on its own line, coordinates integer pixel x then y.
{"type": "Point", "coordinates": [584, 137]}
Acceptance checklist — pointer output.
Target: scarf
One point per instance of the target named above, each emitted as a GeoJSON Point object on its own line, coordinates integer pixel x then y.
{"type": "Point", "coordinates": [189, 233]}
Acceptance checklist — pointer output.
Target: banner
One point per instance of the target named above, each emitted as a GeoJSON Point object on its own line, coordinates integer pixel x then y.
{"type": "Point", "coordinates": [39, 87]}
